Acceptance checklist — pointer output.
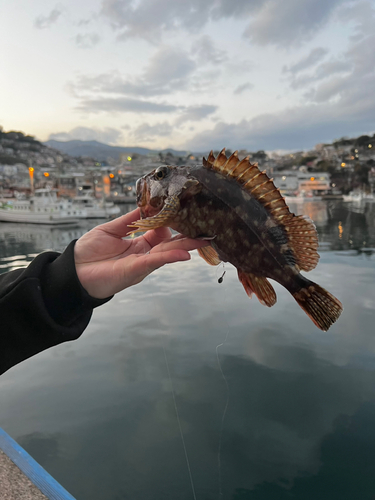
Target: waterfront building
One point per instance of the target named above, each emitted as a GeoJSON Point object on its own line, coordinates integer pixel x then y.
{"type": "Point", "coordinates": [292, 182]}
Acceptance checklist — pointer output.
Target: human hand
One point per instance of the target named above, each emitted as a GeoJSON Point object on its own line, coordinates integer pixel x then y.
{"type": "Point", "coordinates": [106, 263]}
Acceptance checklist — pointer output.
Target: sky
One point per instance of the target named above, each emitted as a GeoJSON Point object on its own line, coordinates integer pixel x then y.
{"type": "Point", "coordinates": [189, 74]}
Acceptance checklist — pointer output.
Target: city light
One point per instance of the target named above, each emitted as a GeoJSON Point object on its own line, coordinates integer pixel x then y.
{"type": "Point", "coordinates": [31, 170]}
{"type": "Point", "coordinates": [343, 164]}
{"type": "Point", "coordinates": [341, 229]}
{"type": "Point", "coordinates": [370, 145]}
{"type": "Point", "coordinates": [46, 174]}
{"type": "Point", "coordinates": [111, 176]}
{"type": "Point", "coordinates": [312, 178]}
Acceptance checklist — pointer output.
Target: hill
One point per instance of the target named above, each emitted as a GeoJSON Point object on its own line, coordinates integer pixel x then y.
{"type": "Point", "coordinates": [100, 151]}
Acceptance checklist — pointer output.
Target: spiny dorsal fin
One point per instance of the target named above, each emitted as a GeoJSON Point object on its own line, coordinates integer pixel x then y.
{"type": "Point", "coordinates": [302, 235]}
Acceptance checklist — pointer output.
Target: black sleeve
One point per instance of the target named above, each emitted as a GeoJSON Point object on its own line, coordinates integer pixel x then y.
{"type": "Point", "coordinates": [42, 306]}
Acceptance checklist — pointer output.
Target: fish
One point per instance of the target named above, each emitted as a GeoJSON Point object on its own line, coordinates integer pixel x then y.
{"type": "Point", "coordinates": [237, 208]}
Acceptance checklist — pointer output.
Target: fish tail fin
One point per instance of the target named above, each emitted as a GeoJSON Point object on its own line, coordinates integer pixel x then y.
{"type": "Point", "coordinates": [321, 306]}
{"type": "Point", "coordinates": [260, 286]}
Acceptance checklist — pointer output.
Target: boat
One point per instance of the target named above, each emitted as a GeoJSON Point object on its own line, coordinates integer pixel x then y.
{"type": "Point", "coordinates": [94, 208]}
{"type": "Point", "coordinates": [354, 196]}
{"type": "Point", "coordinates": [301, 197]}
{"type": "Point", "coordinates": [43, 207]}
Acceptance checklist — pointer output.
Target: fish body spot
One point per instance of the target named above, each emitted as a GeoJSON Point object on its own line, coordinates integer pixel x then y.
{"type": "Point", "coordinates": [270, 223]}
{"type": "Point", "coordinates": [284, 248]}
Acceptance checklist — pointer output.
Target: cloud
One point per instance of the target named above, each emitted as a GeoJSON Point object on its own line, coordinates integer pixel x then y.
{"type": "Point", "coordinates": [87, 41]}
{"type": "Point", "coordinates": [324, 70]}
{"type": "Point", "coordinates": [338, 99]}
{"type": "Point", "coordinates": [358, 62]}
{"type": "Point", "coordinates": [169, 65]}
{"type": "Point", "coordinates": [310, 60]}
{"type": "Point", "coordinates": [195, 113]}
{"type": "Point", "coordinates": [300, 127]}
{"type": "Point", "coordinates": [168, 70]}
{"type": "Point", "coordinates": [148, 19]}
{"type": "Point", "coordinates": [124, 104]}
{"type": "Point", "coordinates": [360, 12]}
{"type": "Point", "coordinates": [206, 52]}
{"type": "Point", "coordinates": [271, 21]}
{"type": "Point", "coordinates": [107, 135]}
{"type": "Point", "coordinates": [148, 133]}
{"type": "Point", "coordinates": [285, 23]}
{"type": "Point", "coordinates": [242, 88]}
{"type": "Point", "coordinates": [43, 22]}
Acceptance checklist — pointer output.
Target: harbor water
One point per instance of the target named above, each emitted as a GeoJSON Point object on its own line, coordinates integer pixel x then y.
{"type": "Point", "coordinates": [183, 388]}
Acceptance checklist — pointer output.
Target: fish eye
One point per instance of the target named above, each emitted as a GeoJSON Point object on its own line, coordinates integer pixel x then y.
{"type": "Point", "coordinates": [161, 172]}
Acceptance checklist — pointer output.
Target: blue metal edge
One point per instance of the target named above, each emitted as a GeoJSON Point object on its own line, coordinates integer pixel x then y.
{"type": "Point", "coordinates": [35, 472]}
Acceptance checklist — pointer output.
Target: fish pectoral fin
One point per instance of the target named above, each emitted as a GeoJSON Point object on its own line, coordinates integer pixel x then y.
{"type": "Point", "coordinates": [258, 285]}
{"type": "Point", "coordinates": [209, 255]}
{"type": "Point", "coordinates": [162, 219]}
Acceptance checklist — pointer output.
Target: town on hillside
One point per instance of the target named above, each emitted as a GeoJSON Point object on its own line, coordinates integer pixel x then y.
{"type": "Point", "coordinates": [329, 170]}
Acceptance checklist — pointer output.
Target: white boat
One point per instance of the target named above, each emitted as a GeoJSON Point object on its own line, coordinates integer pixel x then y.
{"type": "Point", "coordinates": [94, 208]}
{"type": "Point", "coordinates": [358, 196]}
{"type": "Point", "coordinates": [42, 208]}
{"type": "Point", "coordinates": [301, 198]}
{"type": "Point", "coordinates": [354, 196]}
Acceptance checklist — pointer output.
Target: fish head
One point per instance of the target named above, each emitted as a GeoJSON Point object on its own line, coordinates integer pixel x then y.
{"type": "Point", "coordinates": [161, 184]}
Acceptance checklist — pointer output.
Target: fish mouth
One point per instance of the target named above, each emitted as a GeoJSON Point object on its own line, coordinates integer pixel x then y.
{"type": "Point", "coordinates": [148, 206]}
{"type": "Point", "coordinates": [150, 211]}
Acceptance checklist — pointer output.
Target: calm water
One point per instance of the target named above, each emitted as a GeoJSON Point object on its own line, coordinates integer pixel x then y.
{"type": "Point", "coordinates": [268, 406]}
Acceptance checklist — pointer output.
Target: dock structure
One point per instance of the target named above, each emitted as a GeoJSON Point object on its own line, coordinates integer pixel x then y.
{"type": "Point", "coordinates": [22, 478]}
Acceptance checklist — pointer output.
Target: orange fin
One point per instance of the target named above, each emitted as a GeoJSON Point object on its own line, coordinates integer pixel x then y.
{"type": "Point", "coordinates": [209, 255]}
{"type": "Point", "coordinates": [300, 230]}
{"type": "Point", "coordinates": [303, 240]}
{"type": "Point", "coordinates": [321, 306]}
{"type": "Point", "coordinates": [162, 219]}
{"type": "Point", "coordinates": [260, 286]}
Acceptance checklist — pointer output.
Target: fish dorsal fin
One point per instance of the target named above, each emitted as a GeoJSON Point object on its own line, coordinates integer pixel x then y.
{"type": "Point", "coordinates": [301, 232]}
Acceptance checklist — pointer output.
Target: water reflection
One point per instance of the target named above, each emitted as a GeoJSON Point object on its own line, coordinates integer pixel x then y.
{"type": "Point", "coordinates": [19, 243]}
{"type": "Point", "coordinates": [342, 226]}
{"type": "Point", "coordinates": [99, 413]}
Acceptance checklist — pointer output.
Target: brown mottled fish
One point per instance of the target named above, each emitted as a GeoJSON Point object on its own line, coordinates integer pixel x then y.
{"type": "Point", "coordinates": [239, 210]}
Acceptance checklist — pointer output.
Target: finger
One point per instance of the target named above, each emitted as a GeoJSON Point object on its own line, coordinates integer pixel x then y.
{"type": "Point", "coordinates": [179, 244]}
{"type": "Point", "coordinates": [146, 264]}
{"type": "Point", "coordinates": [119, 227]}
{"type": "Point", "coordinates": [156, 236]}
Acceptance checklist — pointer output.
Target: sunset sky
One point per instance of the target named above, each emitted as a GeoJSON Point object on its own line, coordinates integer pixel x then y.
{"type": "Point", "coordinates": [189, 74]}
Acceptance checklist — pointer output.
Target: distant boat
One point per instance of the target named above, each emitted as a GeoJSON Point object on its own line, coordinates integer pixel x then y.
{"type": "Point", "coordinates": [42, 208]}
{"type": "Point", "coordinates": [93, 208]}
{"type": "Point", "coordinates": [358, 196]}
{"type": "Point", "coordinates": [302, 197]}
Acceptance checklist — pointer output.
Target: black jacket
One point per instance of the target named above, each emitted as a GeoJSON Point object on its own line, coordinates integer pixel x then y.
{"type": "Point", "coordinates": [42, 306]}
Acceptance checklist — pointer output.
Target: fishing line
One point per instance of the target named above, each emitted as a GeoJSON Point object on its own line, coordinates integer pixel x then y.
{"type": "Point", "coordinates": [220, 280]}
{"type": "Point", "coordinates": [175, 405]}
{"type": "Point", "coordinates": [179, 426]}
